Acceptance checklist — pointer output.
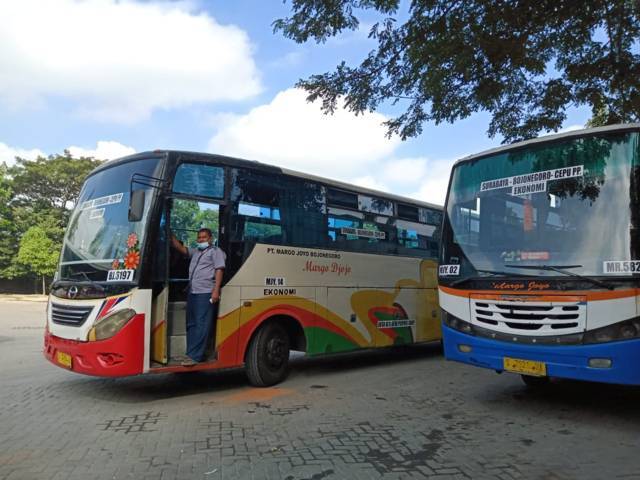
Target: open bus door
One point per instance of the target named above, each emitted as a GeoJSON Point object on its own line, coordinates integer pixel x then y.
{"type": "Point", "coordinates": [159, 349]}
{"type": "Point", "coordinates": [186, 217]}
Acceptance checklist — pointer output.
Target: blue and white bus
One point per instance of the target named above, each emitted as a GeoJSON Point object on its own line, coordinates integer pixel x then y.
{"type": "Point", "coordinates": [540, 258]}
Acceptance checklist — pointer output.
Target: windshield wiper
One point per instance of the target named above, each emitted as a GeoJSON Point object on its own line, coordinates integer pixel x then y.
{"type": "Point", "coordinates": [84, 274]}
{"type": "Point", "coordinates": [490, 273]}
{"type": "Point", "coordinates": [561, 269]}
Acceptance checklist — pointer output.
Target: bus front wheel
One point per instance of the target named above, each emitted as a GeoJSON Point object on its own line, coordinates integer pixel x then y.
{"type": "Point", "coordinates": [267, 361]}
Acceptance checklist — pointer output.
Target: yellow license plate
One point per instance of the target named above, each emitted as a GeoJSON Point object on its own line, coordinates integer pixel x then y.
{"type": "Point", "coordinates": [63, 359]}
{"type": "Point", "coordinates": [526, 367]}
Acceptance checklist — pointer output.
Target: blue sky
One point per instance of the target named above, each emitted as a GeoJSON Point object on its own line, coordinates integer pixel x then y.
{"type": "Point", "coordinates": [107, 78]}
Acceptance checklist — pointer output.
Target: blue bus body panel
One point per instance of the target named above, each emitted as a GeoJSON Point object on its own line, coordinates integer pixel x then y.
{"type": "Point", "coordinates": [562, 361]}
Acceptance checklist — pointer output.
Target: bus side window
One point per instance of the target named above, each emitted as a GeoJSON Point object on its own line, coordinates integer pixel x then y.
{"type": "Point", "coordinates": [303, 209]}
{"type": "Point", "coordinates": [416, 238]}
{"type": "Point", "coordinates": [340, 225]}
{"type": "Point", "coordinates": [265, 200]}
{"type": "Point", "coordinates": [360, 232]}
{"type": "Point", "coordinates": [261, 223]}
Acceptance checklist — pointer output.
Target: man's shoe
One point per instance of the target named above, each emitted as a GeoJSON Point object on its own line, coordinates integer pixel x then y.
{"type": "Point", "coordinates": [188, 362]}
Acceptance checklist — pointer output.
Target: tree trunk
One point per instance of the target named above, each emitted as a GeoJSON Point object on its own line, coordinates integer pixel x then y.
{"type": "Point", "coordinates": [43, 287]}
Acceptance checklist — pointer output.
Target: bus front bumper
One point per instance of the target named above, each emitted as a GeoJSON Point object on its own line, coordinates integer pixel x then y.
{"type": "Point", "coordinates": [118, 356]}
{"type": "Point", "coordinates": [561, 361]}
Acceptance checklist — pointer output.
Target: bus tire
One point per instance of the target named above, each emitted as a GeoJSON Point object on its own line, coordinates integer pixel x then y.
{"type": "Point", "coordinates": [535, 382]}
{"type": "Point", "coordinates": [267, 360]}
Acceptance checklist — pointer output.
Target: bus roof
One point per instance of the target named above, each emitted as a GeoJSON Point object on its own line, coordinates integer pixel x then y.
{"type": "Point", "coordinates": [585, 132]}
{"type": "Point", "coordinates": [239, 162]}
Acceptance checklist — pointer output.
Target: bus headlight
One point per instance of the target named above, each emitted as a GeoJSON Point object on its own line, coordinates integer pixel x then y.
{"type": "Point", "coordinates": [611, 333]}
{"type": "Point", "coordinates": [456, 323]}
{"type": "Point", "coordinates": [111, 324]}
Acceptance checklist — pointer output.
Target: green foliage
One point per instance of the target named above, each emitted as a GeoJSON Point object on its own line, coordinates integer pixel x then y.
{"type": "Point", "coordinates": [36, 198]}
{"type": "Point", "coordinates": [38, 252]}
{"type": "Point", "coordinates": [50, 185]}
{"type": "Point", "coordinates": [187, 218]}
{"type": "Point", "coordinates": [523, 61]}
{"type": "Point", "coordinates": [8, 234]}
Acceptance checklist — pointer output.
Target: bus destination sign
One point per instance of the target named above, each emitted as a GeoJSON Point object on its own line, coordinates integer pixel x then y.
{"type": "Point", "coordinates": [535, 182]}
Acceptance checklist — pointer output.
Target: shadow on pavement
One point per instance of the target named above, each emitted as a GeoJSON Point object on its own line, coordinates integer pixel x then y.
{"type": "Point", "coordinates": [342, 362]}
{"type": "Point", "coordinates": [152, 387]}
{"type": "Point", "coordinates": [569, 397]}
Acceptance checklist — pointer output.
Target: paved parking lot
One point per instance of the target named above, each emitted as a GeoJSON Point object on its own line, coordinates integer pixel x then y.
{"type": "Point", "coordinates": [386, 414]}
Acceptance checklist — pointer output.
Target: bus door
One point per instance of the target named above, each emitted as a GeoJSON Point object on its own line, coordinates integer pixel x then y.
{"type": "Point", "coordinates": [186, 217]}
{"type": "Point", "coordinates": [160, 292]}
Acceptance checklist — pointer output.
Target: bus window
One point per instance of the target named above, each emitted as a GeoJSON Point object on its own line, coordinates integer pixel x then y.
{"type": "Point", "coordinates": [342, 225]}
{"type": "Point", "coordinates": [432, 217]}
{"type": "Point", "coordinates": [340, 198]}
{"type": "Point", "coordinates": [360, 232]}
{"type": "Point", "coordinates": [408, 212]}
{"type": "Point", "coordinates": [375, 205]}
{"type": "Point", "coordinates": [264, 200]}
{"type": "Point", "coordinates": [188, 216]}
{"type": "Point", "coordinates": [262, 225]}
{"type": "Point", "coordinates": [303, 209]}
{"type": "Point", "coordinates": [416, 236]}
{"type": "Point", "coordinates": [200, 180]}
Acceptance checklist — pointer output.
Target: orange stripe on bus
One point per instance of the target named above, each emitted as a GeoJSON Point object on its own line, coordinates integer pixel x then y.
{"type": "Point", "coordinates": [529, 296]}
{"type": "Point", "coordinates": [544, 295]}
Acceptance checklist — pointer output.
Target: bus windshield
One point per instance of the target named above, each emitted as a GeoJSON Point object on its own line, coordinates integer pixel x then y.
{"type": "Point", "coordinates": [100, 239]}
{"type": "Point", "coordinates": [572, 203]}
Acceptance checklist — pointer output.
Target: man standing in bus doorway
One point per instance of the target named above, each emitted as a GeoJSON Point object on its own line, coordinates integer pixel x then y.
{"type": "Point", "coordinates": [205, 278]}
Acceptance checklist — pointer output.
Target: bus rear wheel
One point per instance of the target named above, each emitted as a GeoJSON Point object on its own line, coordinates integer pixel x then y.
{"type": "Point", "coordinates": [535, 382]}
{"type": "Point", "coordinates": [267, 361]}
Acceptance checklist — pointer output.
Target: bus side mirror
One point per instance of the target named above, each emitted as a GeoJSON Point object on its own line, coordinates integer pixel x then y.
{"type": "Point", "coordinates": [136, 205]}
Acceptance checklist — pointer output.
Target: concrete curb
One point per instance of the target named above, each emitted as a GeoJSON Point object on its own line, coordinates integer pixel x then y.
{"type": "Point", "coordinates": [8, 297]}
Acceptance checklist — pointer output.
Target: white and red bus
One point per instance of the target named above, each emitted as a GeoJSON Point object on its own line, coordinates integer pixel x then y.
{"type": "Point", "coordinates": [540, 258]}
{"type": "Point", "coordinates": [313, 265]}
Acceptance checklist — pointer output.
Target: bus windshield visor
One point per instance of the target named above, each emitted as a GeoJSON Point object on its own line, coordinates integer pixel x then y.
{"type": "Point", "coordinates": [573, 203]}
{"type": "Point", "coordinates": [101, 244]}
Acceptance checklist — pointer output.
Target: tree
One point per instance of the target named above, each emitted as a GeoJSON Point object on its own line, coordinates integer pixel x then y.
{"type": "Point", "coordinates": [523, 61]}
{"type": "Point", "coordinates": [50, 186]}
{"type": "Point", "coordinates": [8, 236]}
{"type": "Point", "coordinates": [37, 194]}
{"type": "Point", "coordinates": [39, 253]}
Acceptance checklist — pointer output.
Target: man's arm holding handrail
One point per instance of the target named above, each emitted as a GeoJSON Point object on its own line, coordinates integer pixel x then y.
{"type": "Point", "coordinates": [176, 244]}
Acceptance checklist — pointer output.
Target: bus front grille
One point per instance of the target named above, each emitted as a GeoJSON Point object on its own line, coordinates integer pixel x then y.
{"type": "Point", "coordinates": [69, 315]}
{"type": "Point", "coordinates": [530, 317]}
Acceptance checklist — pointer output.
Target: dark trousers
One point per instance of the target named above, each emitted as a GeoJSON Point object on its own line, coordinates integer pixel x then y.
{"type": "Point", "coordinates": [200, 313]}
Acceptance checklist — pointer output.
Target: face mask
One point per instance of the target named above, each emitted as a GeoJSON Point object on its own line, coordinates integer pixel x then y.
{"type": "Point", "coordinates": [202, 245]}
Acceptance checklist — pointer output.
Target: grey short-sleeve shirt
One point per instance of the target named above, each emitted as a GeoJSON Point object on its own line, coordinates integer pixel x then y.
{"type": "Point", "coordinates": [202, 268]}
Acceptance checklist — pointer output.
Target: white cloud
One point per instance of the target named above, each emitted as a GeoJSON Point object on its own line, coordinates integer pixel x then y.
{"type": "Point", "coordinates": [120, 59]}
{"type": "Point", "coordinates": [8, 154]}
{"type": "Point", "coordinates": [290, 59]}
{"type": "Point", "coordinates": [415, 177]}
{"type": "Point", "coordinates": [405, 173]}
{"type": "Point", "coordinates": [105, 150]}
{"type": "Point", "coordinates": [293, 133]}
{"type": "Point", "coordinates": [435, 180]}
{"type": "Point", "coordinates": [369, 181]}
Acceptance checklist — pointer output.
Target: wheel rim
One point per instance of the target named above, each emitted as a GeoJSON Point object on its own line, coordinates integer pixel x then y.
{"type": "Point", "coordinates": [276, 352]}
